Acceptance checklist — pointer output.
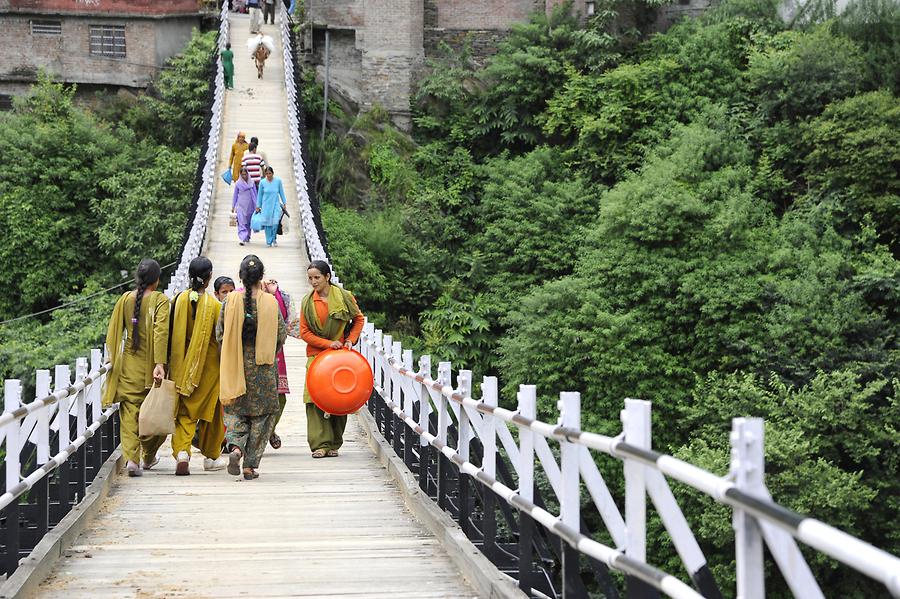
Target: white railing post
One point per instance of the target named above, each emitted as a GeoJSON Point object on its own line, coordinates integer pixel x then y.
{"type": "Point", "coordinates": [464, 438]}
{"type": "Point", "coordinates": [95, 397]}
{"type": "Point", "coordinates": [636, 425]}
{"type": "Point", "coordinates": [489, 397]}
{"type": "Point", "coordinates": [41, 435]}
{"type": "Point", "coordinates": [424, 398]}
{"type": "Point", "coordinates": [81, 372]}
{"type": "Point", "coordinates": [443, 423]}
{"type": "Point", "coordinates": [62, 381]}
{"type": "Point", "coordinates": [386, 376]}
{"type": "Point", "coordinates": [12, 399]}
{"type": "Point", "coordinates": [527, 408]}
{"type": "Point", "coordinates": [424, 402]}
{"type": "Point", "coordinates": [570, 497]}
{"type": "Point", "coordinates": [748, 470]}
{"type": "Point", "coordinates": [408, 399]}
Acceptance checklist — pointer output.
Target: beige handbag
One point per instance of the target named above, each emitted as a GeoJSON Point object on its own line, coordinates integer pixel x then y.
{"type": "Point", "coordinates": [232, 220]}
{"type": "Point", "coordinates": [157, 416]}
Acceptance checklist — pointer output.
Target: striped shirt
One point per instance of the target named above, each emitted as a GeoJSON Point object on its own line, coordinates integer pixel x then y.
{"type": "Point", "coordinates": [253, 163]}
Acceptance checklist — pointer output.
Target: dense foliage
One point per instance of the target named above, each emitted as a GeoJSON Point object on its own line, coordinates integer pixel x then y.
{"type": "Point", "coordinates": [96, 186]}
{"type": "Point", "coordinates": [706, 218]}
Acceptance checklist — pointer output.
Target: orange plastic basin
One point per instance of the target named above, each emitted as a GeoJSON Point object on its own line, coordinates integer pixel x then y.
{"type": "Point", "coordinates": [340, 381]}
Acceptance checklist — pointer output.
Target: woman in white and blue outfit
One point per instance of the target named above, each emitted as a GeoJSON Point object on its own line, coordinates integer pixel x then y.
{"type": "Point", "coordinates": [270, 202]}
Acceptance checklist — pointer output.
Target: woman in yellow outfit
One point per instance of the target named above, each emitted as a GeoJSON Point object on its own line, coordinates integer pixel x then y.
{"type": "Point", "coordinates": [194, 367]}
{"type": "Point", "coordinates": [238, 148]}
{"type": "Point", "coordinates": [137, 341]}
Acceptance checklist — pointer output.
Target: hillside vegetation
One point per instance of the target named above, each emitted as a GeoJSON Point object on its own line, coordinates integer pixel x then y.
{"type": "Point", "coordinates": [707, 218]}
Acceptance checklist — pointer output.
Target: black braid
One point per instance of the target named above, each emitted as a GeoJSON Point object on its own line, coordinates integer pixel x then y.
{"type": "Point", "coordinates": [251, 273]}
{"type": "Point", "coordinates": [135, 325]}
{"type": "Point", "coordinates": [200, 271]}
{"type": "Point", "coordinates": [147, 274]}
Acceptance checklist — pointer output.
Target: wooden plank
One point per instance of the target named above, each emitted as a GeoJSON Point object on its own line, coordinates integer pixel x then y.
{"type": "Point", "coordinates": [305, 528]}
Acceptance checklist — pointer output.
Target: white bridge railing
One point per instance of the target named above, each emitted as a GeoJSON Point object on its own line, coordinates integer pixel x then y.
{"type": "Point", "coordinates": [194, 243]}
{"type": "Point", "coordinates": [758, 521]}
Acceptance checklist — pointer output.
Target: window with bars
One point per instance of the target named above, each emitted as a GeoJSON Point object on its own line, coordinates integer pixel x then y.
{"type": "Point", "coordinates": [44, 27]}
{"type": "Point", "coordinates": [108, 40]}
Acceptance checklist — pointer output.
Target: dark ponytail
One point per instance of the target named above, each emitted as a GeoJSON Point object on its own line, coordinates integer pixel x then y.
{"type": "Point", "coordinates": [251, 273]}
{"type": "Point", "coordinates": [199, 271]}
{"type": "Point", "coordinates": [147, 274]}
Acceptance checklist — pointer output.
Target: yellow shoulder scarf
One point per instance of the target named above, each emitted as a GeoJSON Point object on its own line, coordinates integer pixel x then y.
{"type": "Point", "coordinates": [231, 372]}
{"type": "Point", "coordinates": [186, 360]}
{"type": "Point", "coordinates": [156, 339]}
{"type": "Point", "coordinates": [342, 309]}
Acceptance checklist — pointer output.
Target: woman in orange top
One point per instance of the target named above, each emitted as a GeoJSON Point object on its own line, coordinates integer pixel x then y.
{"type": "Point", "coordinates": [329, 319]}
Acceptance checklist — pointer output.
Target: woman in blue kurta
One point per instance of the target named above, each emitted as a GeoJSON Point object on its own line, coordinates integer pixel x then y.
{"type": "Point", "coordinates": [270, 202]}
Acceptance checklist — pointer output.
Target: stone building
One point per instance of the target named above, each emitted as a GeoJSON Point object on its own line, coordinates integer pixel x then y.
{"type": "Point", "coordinates": [378, 47]}
{"type": "Point", "coordinates": [91, 42]}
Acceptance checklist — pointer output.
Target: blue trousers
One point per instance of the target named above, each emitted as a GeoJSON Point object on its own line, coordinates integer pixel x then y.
{"type": "Point", "coordinates": [271, 234]}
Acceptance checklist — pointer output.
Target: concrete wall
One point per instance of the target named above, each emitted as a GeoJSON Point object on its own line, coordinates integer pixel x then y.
{"type": "Point", "coordinates": [148, 43]}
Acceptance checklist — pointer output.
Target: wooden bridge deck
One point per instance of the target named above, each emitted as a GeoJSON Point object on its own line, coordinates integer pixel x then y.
{"type": "Point", "coordinates": [305, 528]}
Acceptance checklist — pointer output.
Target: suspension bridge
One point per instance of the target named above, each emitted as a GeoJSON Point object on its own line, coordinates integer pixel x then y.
{"type": "Point", "coordinates": [434, 494]}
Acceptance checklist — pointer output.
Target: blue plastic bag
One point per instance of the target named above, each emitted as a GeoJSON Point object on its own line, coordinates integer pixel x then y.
{"type": "Point", "coordinates": [226, 176]}
{"type": "Point", "coordinates": [256, 222]}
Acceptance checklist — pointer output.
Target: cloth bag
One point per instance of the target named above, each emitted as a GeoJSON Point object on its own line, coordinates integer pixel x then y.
{"type": "Point", "coordinates": [157, 415]}
{"type": "Point", "coordinates": [232, 220]}
{"type": "Point", "coordinates": [226, 176]}
{"type": "Point", "coordinates": [256, 222]}
{"type": "Point", "coordinates": [283, 227]}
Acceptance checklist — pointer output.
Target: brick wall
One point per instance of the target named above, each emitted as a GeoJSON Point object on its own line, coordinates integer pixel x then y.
{"type": "Point", "coordinates": [484, 14]}
{"type": "Point", "coordinates": [336, 13]}
{"type": "Point", "coordinates": [68, 55]}
{"type": "Point", "coordinates": [134, 7]}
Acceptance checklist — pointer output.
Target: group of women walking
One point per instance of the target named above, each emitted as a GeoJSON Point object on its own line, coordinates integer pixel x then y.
{"type": "Point", "coordinates": [224, 353]}
{"type": "Point", "coordinates": [264, 196]}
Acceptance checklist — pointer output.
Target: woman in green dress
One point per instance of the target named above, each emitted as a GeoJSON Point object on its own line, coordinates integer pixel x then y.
{"type": "Point", "coordinates": [137, 342]}
{"type": "Point", "coordinates": [228, 66]}
{"type": "Point", "coordinates": [329, 319]}
{"type": "Point", "coordinates": [251, 331]}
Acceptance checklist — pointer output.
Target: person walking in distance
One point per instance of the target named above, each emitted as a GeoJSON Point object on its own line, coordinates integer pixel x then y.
{"type": "Point", "coordinates": [253, 162]}
{"type": "Point", "coordinates": [251, 331]}
{"type": "Point", "coordinates": [255, 140]}
{"type": "Point", "coordinates": [137, 339]}
{"type": "Point", "coordinates": [255, 15]}
{"type": "Point", "coordinates": [329, 319]}
{"type": "Point", "coordinates": [228, 66]}
{"type": "Point", "coordinates": [194, 367]}
{"type": "Point", "coordinates": [271, 202]}
{"type": "Point", "coordinates": [238, 148]}
{"type": "Point", "coordinates": [243, 205]}
{"type": "Point", "coordinates": [268, 11]}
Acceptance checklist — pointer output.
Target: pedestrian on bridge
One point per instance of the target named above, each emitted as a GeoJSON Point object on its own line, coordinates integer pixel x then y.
{"type": "Point", "coordinates": [243, 204]}
{"type": "Point", "coordinates": [255, 15]}
{"type": "Point", "coordinates": [289, 312]}
{"type": "Point", "coordinates": [251, 331]}
{"type": "Point", "coordinates": [137, 340]}
{"type": "Point", "coordinates": [254, 163]}
{"type": "Point", "coordinates": [268, 11]}
{"type": "Point", "coordinates": [194, 367]}
{"type": "Point", "coordinates": [223, 286]}
{"type": "Point", "coordinates": [271, 203]}
{"type": "Point", "coordinates": [330, 318]}
{"type": "Point", "coordinates": [228, 66]}
{"type": "Point", "coordinates": [238, 148]}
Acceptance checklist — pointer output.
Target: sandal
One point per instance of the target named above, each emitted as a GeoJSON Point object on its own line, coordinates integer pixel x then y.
{"type": "Point", "coordinates": [275, 441]}
{"type": "Point", "coordinates": [234, 459]}
{"type": "Point", "coordinates": [319, 453]}
{"type": "Point", "coordinates": [250, 474]}
{"type": "Point", "coordinates": [331, 453]}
